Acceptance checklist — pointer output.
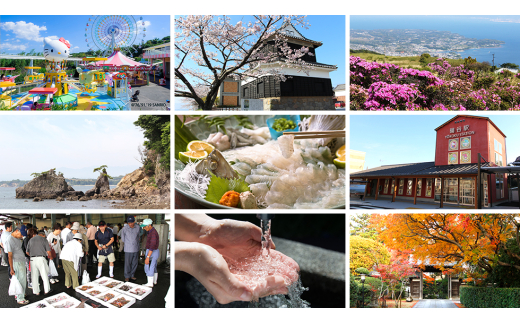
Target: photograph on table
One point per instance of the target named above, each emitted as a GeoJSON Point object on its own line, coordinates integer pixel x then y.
{"type": "Point", "coordinates": [434, 260]}
{"type": "Point", "coordinates": [88, 63]}
{"type": "Point", "coordinates": [462, 165]}
{"type": "Point", "coordinates": [434, 63]}
{"type": "Point", "coordinates": [260, 260]}
{"type": "Point", "coordinates": [92, 162]}
{"type": "Point", "coordinates": [260, 161]}
{"type": "Point", "coordinates": [260, 62]}
{"type": "Point", "coordinates": [84, 260]}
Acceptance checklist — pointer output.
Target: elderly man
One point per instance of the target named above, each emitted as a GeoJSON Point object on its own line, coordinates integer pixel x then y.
{"type": "Point", "coordinates": [70, 256]}
{"type": "Point", "coordinates": [5, 236]}
{"type": "Point", "coordinates": [91, 237]}
{"type": "Point", "coordinates": [13, 247]}
{"type": "Point", "coordinates": [130, 238]}
{"type": "Point", "coordinates": [152, 252]}
{"type": "Point", "coordinates": [66, 233]}
{"type": "Point", "coordinates": [38, 249]}
{"type": "Point", "coordinates": [84, 242]}
{"type": "Point", "coordinates": [104, 241]}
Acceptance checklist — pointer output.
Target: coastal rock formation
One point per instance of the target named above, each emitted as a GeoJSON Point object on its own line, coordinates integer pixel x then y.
{"type": "Point", "coordinates": [60, 199]}
{"type": "Point", "coordinates": [37, 199]}
{"type": "Point", "coordinates": [102, 185]}
{"type": "Point", "coordinates": [48, 185]}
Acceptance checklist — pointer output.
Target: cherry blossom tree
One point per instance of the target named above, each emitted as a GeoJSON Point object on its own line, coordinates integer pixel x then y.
{"type": "Point", "coordinates": [221, 49]}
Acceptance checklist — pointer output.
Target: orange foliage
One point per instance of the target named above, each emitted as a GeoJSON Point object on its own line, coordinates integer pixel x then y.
{"type": "Point", "coordinates": [447, 239]}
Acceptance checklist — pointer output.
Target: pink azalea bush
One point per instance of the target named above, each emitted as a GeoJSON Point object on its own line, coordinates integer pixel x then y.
{"type": "Point", "coordinates": [384, 86]}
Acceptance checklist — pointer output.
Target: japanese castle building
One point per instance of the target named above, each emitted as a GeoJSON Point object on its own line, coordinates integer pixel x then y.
{"type": "Point", "coordinates": [453, 178]}
{"type": "Point", "coordinates": [298, 92]}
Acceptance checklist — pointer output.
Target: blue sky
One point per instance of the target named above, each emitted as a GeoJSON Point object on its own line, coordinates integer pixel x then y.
{"type": "Point", "coordinates": [330, 30]}
{"type": "Point", "coordinates": [406, 139]}
{"type": "Point", "coordinates": [23, 33]}
{"type": "Point", "coordinates": [38, 143]}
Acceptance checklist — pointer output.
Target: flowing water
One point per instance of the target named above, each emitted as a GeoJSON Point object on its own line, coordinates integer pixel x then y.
{"type": "Point", "coordinates": [266, 238]}
{"type": "Point", "coordinates": [9, 201]}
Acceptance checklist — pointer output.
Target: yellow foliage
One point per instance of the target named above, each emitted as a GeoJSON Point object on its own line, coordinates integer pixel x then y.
{"type": "Point", "coordinates": [367, 253]}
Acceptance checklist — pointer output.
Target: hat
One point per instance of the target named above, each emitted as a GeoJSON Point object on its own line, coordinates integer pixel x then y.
{"type": "Point", "coordinates": [102, 223]}
{"type": "Point", "coordinates": [75, 226]}
{"type": "Point", "coordinates": [23, 230]}
{"type": "Point", "coordinates": [130, 219]}
{"type": "Point", "coordinates": [146, 222]}
{"type": "Point", "coordinates": [78, 236]}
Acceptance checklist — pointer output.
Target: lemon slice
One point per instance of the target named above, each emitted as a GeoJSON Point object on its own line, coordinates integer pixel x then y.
{"type": "Point", "coordinates": [192, 156]}
{"type": "Point", "coordinates": [197, 145]}
{"type": "Point", "coordinates": [341, 152]}
{"type": "Point", "coordinates": [340, 162]}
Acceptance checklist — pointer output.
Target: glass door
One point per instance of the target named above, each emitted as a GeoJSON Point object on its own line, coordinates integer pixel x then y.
{"type": "Point", "coordinates": [467, 191]}
{"type": "Point", "coordinates": [437, 189]}
{"type": "Point", "coordinates": [451, 190]}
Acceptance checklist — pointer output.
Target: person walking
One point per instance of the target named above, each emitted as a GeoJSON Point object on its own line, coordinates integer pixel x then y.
{"type": "Point", "coordinates": [84, 244]}
{"type": "Point", "coordinates": [70, 257]}
{"type": "Point", "coordinates": [38, 249]}
{"type": "Point", "coordinates": [91, 237]}
{"type": "Point", "coordinates": [130, 238]}
{"type": "Point", "coordinates": [152, 252]}
{"type": "Point", "coordinates": [13, 247]}
{"type": "Point", "coordinates": [104, 241]}
{"type": "Point", "coordinates": [115, 230]}
{"type": "Point", "coordinates": [54, 239]}
{"type": "Point", "coordinates": [5, 236]}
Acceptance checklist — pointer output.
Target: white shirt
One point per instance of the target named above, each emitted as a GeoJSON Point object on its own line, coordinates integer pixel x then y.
{"type": "Point", "coordinates": [115, 229]}
{"type": "Point", "coordinates": [72, 251]}
{"type": "Point", "coordinates": [55, 247]}
{"type": "Point", "coordinates": [5, 235]}
{"type": "Point", "coordinates": [64, 234]}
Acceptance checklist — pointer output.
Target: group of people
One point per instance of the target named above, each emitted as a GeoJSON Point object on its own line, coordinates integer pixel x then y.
{"type": "Point", "coordinates": [31, 253]}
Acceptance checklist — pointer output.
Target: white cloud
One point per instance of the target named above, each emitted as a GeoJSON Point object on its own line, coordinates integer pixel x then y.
{"type": "Point", "coordinates": [24, 30]}
{"type": "Point", "coordinates": [9, 46]}
{"type": "Point", "coordinates": [90, 122]}
{"type": "Point", "coordinates": [75, 47]}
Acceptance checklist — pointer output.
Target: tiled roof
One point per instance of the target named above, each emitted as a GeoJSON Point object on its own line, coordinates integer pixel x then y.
{"type": "Point", "coordinates": [301, 37]}
{"type": "Point", "coordinates": [393, 170]}
{"type": "Point", "coordinates": [418, 169]}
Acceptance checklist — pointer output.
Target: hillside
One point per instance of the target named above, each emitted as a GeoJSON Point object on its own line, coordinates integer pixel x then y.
{"type": "Point", "coordinates": [403, 61]}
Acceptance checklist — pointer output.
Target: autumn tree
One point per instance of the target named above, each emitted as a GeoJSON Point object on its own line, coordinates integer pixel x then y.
{"type": "Point", "coordinates": [367, 253]}
{"type": "Point", "coordinates": [396, 274]}
{"type": "Point", "coordinates": [461, 240]}
{"type": "Point", "coordinates": [221, 49]}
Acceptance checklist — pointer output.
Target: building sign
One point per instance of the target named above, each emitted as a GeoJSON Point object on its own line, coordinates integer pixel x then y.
{"type": "Point", "coordinates": [460, 131]}
{"type": "Point", "coordinates": [456, 135]}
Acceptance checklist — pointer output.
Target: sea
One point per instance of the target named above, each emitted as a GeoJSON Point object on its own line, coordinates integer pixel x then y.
{"type": "Point", "coordinates": [479, 27]}
{"type": "Point", "coordinates": [9, 201]}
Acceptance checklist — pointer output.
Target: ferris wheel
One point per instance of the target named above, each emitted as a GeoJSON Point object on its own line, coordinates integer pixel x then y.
{"type": "Point", "coordinates": [110, 32]}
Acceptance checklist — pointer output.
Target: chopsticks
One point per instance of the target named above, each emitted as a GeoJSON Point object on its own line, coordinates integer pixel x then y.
{"type": "Point", "coordinates": [316, 134]}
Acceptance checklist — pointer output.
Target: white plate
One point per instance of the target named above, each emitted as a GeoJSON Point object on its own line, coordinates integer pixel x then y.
{"type": "Point", "coordinates": [147, 290]}
{"type": "Point", "coordinates": [99, 298]}
{"type": "Point", "coordinates": [131, 301]}
{"type": "Point", "coordinates": [51, 299]}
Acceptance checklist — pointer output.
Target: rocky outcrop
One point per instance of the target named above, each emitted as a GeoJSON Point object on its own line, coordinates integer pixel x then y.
{"type": "Point", "coordinates": [73, 193]}
{"type": "Point", "coordinates": [162, 178]}
{"type": "Point", "coordinates": [84, 198]}
{"type": "Point", "coordinates": [60, 199]}
{"type": "Point", "coordinates": [102, 185]}
{"type": "Point", "coordinates": [37, 199]}
{"type": "Point", "coordinates": [48, 185]}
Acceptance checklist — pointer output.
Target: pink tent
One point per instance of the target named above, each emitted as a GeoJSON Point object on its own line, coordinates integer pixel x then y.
{"type": "Point", "coordinates": [117, 59]}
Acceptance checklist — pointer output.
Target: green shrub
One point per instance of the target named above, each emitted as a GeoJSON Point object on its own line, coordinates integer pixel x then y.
{"type": "Point", "coordinates": [362, 271]}
{"type": "Point", "coordinates": [489, 297]}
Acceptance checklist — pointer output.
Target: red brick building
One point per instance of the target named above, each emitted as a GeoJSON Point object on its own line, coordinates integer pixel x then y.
{"type": "Point", "coordinates": [452, 177]}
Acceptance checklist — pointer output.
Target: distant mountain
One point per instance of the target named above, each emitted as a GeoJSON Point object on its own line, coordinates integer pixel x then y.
{"type": "Point", "coordinates": [83, 173]}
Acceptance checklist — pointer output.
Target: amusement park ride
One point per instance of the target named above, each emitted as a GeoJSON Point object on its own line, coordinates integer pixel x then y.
{"type": "Point", "coordinates": [103, 81]}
